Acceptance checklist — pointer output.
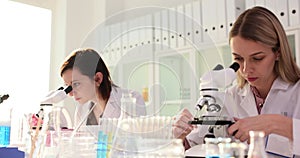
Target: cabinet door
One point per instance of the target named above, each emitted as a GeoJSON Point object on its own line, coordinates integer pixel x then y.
{"type": "Point", "coordinates": [136, 74]}
{"type": "Point", "coordinates": [177, 80]}
{"type": "Point", "coordinates": [293, 38]}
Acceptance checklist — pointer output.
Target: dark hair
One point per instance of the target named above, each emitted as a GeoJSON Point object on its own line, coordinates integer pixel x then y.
{"type": "Point", "coordinates": [89, 62]}
{"type": "Point", "coordinates": [261, 25]}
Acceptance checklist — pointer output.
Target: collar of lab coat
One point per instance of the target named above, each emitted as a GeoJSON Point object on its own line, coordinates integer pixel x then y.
{"type": "Point", "coordinates": [248, 99]}
{"type": "Point", "coordinates": [112, 109]}
{"type": "Point", "coordinates": [278, 84]}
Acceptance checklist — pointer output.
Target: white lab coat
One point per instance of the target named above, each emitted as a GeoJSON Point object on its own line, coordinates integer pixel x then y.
{"type": "Point", "coordinates": [283, 98]}
{"type": "Point", "coordinates": [113, 106]}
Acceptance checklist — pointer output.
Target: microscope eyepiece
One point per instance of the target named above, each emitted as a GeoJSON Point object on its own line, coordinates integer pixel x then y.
{"type": "Point", "coordinates": [68, 89]}
{"type": "Point", "coordinates": [218, 67]}
{"type": "Point", "coordinates": [3, 97]}
{"type": "Point", "coordinates": [235, 66]}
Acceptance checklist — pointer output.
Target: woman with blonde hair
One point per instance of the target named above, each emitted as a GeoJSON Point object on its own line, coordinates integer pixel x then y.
{"type": "Point", "coordinates": [266, 96]}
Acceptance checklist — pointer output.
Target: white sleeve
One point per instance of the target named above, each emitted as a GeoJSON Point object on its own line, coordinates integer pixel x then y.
{"type": "Point", "coordinates": [81, 112]}
{"type": "Point", "coordinates": [197, 135]}
{"type": "Point", "coordinates": [296, 136]}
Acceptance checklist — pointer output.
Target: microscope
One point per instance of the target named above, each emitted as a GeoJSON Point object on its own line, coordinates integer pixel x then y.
{"type": "Point", "coordinates": [211, 101]}
{"type": "Point", "coordinates": [56, 96]}
{"type": "Point", "coordinates": [3, 97]}
{"type": "Point", "coordinates": [46, 106]}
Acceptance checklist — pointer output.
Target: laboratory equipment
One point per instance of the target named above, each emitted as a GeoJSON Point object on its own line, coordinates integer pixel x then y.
{"type": "Point", "coordinates": [5, 122]}
{"type": "Point", "coordinates": [102, 145]}
{"type": "Point", "coordinates": [81, 145]}
{"type": "Point", "coordinates": [232, 149]}
{"type": "Point", "coordinates": [5, 125]}
{"type": "Point", "coordinates": [150, 136]}
{"type": "Point", "coordinates": [142, 136]}
{"type": "Point", "coordinates": [147, 136]}
{"type": "Point", "coordinates": [3, 97]}
{"type": "Point", "coordinates": [47, 106]}
{"type": "Point", "coordinates": [210, 103]}
{"type": "Point", "coordinates": [218, 148]}
{"type": "Point", "coordinates": [257, 145]}
{"type": "Point", "coordinates": [54, 97]}
{"type": "Point", "coordinates": [212, 146]}
{"type": "Point", "coordinates": [124, 143]}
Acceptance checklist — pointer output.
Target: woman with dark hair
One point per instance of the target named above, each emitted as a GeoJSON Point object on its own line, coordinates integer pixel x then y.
{"type": "Point", "coordinates": [266, 96]}
{"type": "Point", "coordinates": [92, 86]}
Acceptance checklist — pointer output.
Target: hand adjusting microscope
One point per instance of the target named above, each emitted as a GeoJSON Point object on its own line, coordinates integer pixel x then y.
{"type": "Point", "coordinates": [212, 95]}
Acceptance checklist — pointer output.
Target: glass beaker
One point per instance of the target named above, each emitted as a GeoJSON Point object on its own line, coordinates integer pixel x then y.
{"type": "Point", "coordinates": [257, 145]}
{"type": "Point", "coordinates": [232, 150]}
{"type": "Point", "coordinates": [212, 146]}
{"type": "Point", "coordinates": [81, 145]}
{"type": "Point", "coordinates": [125, 141]}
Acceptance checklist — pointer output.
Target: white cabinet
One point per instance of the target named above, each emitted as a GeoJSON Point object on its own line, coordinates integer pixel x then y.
{"type": "Point", "coordinates": [294, 39]}
{"type": "Point", "coordinates": [177, 80]}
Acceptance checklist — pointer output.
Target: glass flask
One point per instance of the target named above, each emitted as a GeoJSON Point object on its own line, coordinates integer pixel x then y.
{"type": "Point", "coordinates": [232, 149]}
{"type": "Point", "coordinates": [212, 146]}
{"type": "Point", "coordinates": [257, 145]}
{"type": "Point", "coordinates": [124, 143]}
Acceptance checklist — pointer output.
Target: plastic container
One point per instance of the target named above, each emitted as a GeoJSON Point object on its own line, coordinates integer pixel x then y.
{"type": "Point", "coordinates": [5, 125]}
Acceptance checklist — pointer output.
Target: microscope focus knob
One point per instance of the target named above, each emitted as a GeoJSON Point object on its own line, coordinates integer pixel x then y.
{"type": "Point", "coordinates": [213, 108]}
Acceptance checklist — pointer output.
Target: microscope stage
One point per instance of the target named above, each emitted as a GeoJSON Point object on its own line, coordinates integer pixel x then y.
{"type": "Point", "coordinates": [211, 120]}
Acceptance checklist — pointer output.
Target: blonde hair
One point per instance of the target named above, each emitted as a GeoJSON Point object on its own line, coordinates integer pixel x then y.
{"type": "Point", "coordinates": [261, 25]}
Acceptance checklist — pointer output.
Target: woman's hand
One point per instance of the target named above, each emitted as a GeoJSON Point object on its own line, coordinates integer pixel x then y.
{"type": "Point", "coordinates": [268, 123]}
{"type": "Point", "coordinates": [181, 128]}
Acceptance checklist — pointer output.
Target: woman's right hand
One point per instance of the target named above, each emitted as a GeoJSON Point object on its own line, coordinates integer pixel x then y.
{"type": "Point", "coordinates": [181, 128]}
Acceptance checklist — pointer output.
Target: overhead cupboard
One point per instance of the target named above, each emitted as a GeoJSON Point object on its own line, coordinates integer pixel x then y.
{"type": "Point", "coordinates": [163, 54]}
